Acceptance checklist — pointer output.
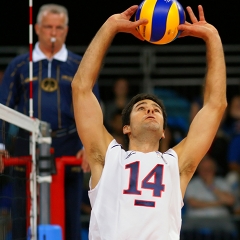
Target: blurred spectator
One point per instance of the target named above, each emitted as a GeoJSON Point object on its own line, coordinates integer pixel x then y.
{"type": "Point", "coordinates": [234, 154]}
{"type": "Point", "coordinates": [219, 147]}
{"type": "Point", "coordinates": [120, 91]}
{"type": "Point", "coordinates": [174, 133]}
{"type": "Point", "coordinates": [232, 121]}
{"type": "Point", "coordinates": [233, 128]}
{"type": "Point", "coordinates": [177, 107]}
{"type": "Point", "coordinates": [196, 105]}
{"type": "Point", "coordinates": [166, 143]}
{"type": "Point", "coordinates": [232, 179]}
{"type": "Point", "coordinates": [116, 128]}
{"type": "Point", "coordinates": [208, 197]}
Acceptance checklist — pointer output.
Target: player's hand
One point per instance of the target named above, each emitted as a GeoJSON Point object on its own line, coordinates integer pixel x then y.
{"type": "Point", "coordinates": [198, 28]}
{"type": "Point", "coordinates": [85, 165]}
{"type": "Point", "coordinates": [123, 23]}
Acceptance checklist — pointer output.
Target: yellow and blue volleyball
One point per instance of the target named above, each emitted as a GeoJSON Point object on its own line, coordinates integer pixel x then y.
{"type": "Point", "coordinates": [163, 17]}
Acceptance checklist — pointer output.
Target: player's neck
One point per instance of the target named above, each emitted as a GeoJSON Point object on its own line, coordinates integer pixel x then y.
{"type": "Point", "coordinates": [144, 145]}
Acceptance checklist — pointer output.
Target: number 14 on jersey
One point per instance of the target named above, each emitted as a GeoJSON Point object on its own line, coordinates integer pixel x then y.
{"type": "Point", "coordinates": [155, 185]}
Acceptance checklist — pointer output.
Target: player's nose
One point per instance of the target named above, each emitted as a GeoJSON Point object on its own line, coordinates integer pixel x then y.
{"type": "Point", "coordinates": [150, 110]}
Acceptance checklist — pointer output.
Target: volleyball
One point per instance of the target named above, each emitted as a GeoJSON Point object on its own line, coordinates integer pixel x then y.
{"type": "Point", "coordinates": [163, 17]}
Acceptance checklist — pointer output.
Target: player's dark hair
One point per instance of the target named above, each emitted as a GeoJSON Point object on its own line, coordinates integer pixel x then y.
{"type": "Point", "coordinates": [128, 109]}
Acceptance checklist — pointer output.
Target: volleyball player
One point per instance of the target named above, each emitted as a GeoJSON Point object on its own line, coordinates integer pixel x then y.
{"type": "Point", "coordinates": [138, 194]}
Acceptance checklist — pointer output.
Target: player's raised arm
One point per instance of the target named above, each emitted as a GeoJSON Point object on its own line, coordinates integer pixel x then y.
{"type": "Point", "coordinates": [205, 124]}
{"type": "Point", "coordinates": [87, 111]}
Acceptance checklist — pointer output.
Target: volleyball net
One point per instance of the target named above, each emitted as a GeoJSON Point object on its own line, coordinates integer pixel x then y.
{"type": "Point", "coordinates": [18, 182]}
{"type": "Point", "coordinates": [32, 192]}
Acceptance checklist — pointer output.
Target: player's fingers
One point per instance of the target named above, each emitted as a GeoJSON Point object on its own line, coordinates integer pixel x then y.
{"type": "Point", "coordinates": [182, 26]}
{"type": "Point", "coordinates": [201, 13]}
{"type": "Point", "coordinates": [137, 35]}
{"type": "Point", "coordinates": [192, 15]}
{"type": "Point", "coordinates": [188, 23]}
{"type": "Point", "coordinates": [139, 22]}
{"type": "Point", "coordinates": [130, 11]}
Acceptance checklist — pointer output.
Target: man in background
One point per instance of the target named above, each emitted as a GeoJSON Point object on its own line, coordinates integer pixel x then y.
{"type": "Point", "coordinates": [54, 67]}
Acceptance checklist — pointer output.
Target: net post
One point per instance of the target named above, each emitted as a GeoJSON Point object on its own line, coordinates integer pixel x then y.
{"type": "Point", "coordinates": [44, 172]}
{"type": "Point", "coordinates": [58, 191]}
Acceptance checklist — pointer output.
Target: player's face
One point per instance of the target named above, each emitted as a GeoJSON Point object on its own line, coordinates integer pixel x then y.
{"type": "Point", "coordinates": [52, 26]}
{"type": "Point", "coordinates": [147, 115]}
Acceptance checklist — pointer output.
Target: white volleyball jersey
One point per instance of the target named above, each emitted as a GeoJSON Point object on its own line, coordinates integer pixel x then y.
{"type": "Point", "coordinates": [138, 197]}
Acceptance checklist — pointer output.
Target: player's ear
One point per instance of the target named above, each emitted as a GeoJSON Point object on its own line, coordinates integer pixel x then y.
{"type": "Point", "coordinates": [126, 129]}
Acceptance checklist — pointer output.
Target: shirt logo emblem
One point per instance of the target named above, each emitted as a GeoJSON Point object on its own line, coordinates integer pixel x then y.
{"type": "Point", "coordinates": [49, 85]}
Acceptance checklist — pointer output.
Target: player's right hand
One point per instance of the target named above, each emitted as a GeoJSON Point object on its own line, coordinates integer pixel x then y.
{"type": "Point", "coordinates": [123, 24]}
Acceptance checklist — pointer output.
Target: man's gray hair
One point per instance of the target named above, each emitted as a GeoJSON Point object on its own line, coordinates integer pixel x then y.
{"type": "Point", "coordinates": [52, 8]}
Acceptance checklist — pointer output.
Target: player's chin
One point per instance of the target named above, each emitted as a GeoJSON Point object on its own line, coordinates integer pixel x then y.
{"type": "Point", "coordinates": [152, 125]}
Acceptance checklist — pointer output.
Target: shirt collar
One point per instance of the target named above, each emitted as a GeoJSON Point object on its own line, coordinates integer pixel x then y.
{"type": "Point", "coordinates": [38, 55]}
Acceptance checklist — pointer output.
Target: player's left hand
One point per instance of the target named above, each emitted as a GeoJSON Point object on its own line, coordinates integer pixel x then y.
{"type": "Point", "coordinates": [198, 28]}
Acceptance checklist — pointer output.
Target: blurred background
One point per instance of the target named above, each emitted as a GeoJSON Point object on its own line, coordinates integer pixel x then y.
{"type": "Point", "coordinates": [87, 16]}
{"type": "Point", "coordinates": [174, 72]}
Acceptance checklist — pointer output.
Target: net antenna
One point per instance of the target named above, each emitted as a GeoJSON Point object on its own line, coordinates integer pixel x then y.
{"type": "Point", "coordinates": [34, 134]}
{"type": "Point", "coordinates": [30, 60]}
